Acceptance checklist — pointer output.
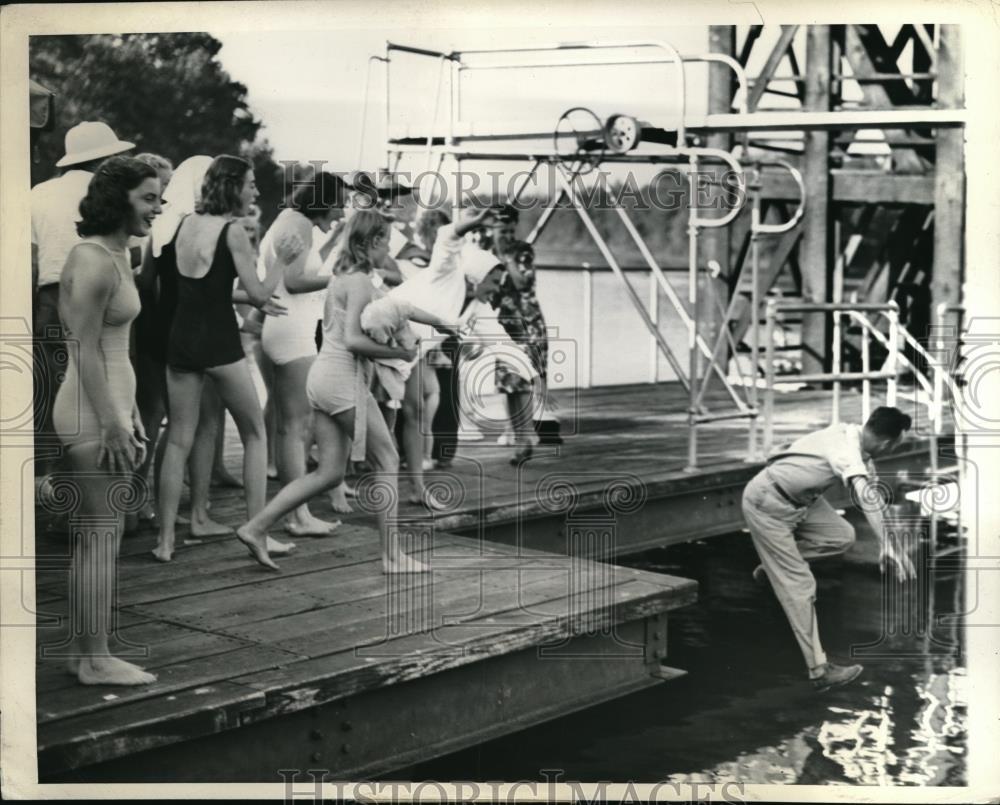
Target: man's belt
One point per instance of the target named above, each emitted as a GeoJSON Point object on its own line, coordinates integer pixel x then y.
{"type": "Point", "coordinates": [777, 488]}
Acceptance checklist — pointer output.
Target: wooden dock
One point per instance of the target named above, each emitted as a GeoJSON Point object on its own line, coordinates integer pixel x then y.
{"type": "Point", "coordinates": [623, 466]}
{"type": "Point", "coordinates": [333, 665]}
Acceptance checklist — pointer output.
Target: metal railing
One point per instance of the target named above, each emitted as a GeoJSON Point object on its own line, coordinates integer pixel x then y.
{"type": "Point", "coordinates": [936, 383]}
{"type": "Point", "coordinates": [889, 372]}
{"type": "Point", "coordinates": [712, 359]}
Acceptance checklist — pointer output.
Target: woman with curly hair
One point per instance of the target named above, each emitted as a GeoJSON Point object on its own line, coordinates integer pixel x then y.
{"type": "Point", "coordinates": [339, 390]}
{"type": "Point", "coordinates": [95, 413]}
{"type": "Point", "coordinates": [204, 341]}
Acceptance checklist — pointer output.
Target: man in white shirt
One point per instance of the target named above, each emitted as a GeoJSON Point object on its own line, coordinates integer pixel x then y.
{"type": "Point", "coordinates": [792, 524]}
{"type": "Point", "coordinates": [55, 210]}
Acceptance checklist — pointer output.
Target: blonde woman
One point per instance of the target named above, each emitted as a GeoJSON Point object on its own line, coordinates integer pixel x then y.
{"type": "Point", "coordinates": [339, 391]}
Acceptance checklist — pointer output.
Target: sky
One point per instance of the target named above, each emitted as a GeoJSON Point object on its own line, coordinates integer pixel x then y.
{"type": "Point", "coordinates": [309, 86]}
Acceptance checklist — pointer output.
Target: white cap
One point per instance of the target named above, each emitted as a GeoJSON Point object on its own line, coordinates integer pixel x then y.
{"type": "Point", "coordinates": [91, 140]}
{"type": "Point", "coordinates": [477, 263]}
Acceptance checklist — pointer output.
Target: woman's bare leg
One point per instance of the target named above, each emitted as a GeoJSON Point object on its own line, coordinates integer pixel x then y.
{"type": "Point", "coordinates": [413, 438]}
{"type": "Point", "coordinates": [220, 475]}
{"type": "Point", "coordinates": [184, 395]}
{"type": "Point", "coordinates": [235, 387]}
{"type": "Point", "coordinates": [294, 416]}
{"type": "Point", "coordinates": [93, 573]}
{"type": "Point", "coordinates": [432, 398]}
{"type": "Point", "coordinates": [270, 415]}
{"type": "Point", "coordinates": [381, 452]}
{"type": "Point", "coordinates": [202, 459]}
{"type": "Point", "coordinates": [334, 449]}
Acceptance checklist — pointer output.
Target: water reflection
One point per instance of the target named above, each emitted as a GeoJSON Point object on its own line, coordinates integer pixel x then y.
{"type": "Point", "coordinates": [745, 712]}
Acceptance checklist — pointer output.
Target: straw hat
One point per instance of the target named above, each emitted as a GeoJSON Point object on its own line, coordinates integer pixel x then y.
{"type": "Point", "coordinates": [91, 140]}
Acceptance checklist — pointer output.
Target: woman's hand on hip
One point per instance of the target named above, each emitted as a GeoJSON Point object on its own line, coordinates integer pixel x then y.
{"type": "Point", "coordinates": [273, 307]}
{"type": "Point", "coordinates": [117, 453]}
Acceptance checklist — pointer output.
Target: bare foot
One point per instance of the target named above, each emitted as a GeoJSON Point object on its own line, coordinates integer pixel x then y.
{"type": "Point", "coordinates": [112, 671]}
{"type": "Point", "coordinates": [256, 546]}
{"type": "Point", "coordinates": [164, 550]}
{"type": "Point", "coordinates": [403, 563]}
{"type": "Point", "coordinates": [182, 520]}
{"type": "Point", "coordinates": [222, 477]}
{"type": "Point", "coordinates": [207, 527]}
{"type": "Point", "coordinates": [338, 500]}
{"type": "Point", "coordinates": [310, 527]}
{"type": "Point", "coordinates": [279, 548]}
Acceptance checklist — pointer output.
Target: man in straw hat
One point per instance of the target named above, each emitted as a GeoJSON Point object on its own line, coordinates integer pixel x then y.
{"type": "Point", "coordinates": [55, 210]}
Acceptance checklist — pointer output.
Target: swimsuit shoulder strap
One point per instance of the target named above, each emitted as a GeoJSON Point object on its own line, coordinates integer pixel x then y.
{"type": "Point", "coordinates": [115, 258]}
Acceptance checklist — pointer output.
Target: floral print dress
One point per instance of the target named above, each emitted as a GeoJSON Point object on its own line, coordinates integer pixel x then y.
{"type": "Point", "coordinates": [521, 317]}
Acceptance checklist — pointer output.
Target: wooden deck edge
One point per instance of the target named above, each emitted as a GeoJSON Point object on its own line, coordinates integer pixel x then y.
{"type": "Point", "coordinates": [592, 497]}
{"type": "Point", "coordinates": [248, 705]}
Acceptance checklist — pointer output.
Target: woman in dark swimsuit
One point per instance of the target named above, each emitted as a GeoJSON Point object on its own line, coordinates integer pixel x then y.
{"type": "Point", "coordinates": [157, 285]}
{"type": "Point", "coordinates": [205, 340]}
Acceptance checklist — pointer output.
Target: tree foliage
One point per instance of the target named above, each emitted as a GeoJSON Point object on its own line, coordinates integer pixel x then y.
{"type": "Point", "coordinates": [166, 92]}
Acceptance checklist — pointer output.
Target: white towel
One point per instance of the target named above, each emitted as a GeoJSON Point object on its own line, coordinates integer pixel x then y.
{"type": "Point", "coordinates": [181, 195]}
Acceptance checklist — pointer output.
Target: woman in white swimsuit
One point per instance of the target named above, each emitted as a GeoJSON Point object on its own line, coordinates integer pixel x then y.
{"type": "Point", "coordinates": [290, 341]}
{"type": "Point", "coordinates": [95, 413]}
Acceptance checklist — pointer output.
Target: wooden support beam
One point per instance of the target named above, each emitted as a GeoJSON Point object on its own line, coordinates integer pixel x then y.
{"type": "Point", "coordinates": [859, 187]}
{"type": "Point", "coordinates": [781, 253]}
{"type": "Point", "coordinates": [814, 250]}
{"type": "Point", "coordinates": [868, 54]}
{"type": "Point", "coordinates": [949, 182]}
{"type": "Point", "coordinates": [923, 60]}
{"type": "Point", "coordinates": [752, 36]}
{"type": "Point", "coordinates": [773, 60]}
{"type": "Point", "coordinates": [716, 243]}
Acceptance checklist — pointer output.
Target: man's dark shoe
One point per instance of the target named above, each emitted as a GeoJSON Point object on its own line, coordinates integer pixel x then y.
{"type": "Point", "coordinates": [835, 676]}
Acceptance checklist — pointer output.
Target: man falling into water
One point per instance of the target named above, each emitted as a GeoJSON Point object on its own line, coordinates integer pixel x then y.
{"type": "Point", "coordinates": [792, 524]}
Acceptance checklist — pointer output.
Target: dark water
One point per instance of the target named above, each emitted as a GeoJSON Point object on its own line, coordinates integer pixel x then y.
{"type": "Point", "coordinates": [745, 711]}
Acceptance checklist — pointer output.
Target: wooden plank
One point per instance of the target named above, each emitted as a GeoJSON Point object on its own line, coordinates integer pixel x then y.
{"type": "Point", "coordinates": [859, 187]}
{"type": "Point", "coordinates": [367, 626]}
{"type": "Point", "coordinates": [182, 645]}
{"type": "Point", "coordinates": [316, 681]}
{"type": "Point", "coordinates": [147, 724]}
{"type": "Point", "coordinates": [500, 597]}
{"type": "Point", "coordinates": [197, 673]}
{"type": "Point", "coordinates": [248, 611]}
{"type": "Point", "coordinates": [372, 603]}
{"type": "Point", "coordinates": [133, 727]}
{"type": "Point", "coordinates": [228, 572]}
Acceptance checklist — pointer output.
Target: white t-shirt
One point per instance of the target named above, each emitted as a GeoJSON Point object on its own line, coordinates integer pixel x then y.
{"type": "Point", "coordinates": [55, 211]}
